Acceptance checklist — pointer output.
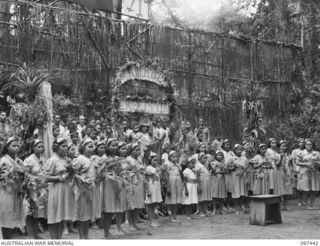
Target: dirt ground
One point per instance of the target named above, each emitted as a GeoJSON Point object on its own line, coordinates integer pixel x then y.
{"type": "Point", "coordinates": [298, 223]}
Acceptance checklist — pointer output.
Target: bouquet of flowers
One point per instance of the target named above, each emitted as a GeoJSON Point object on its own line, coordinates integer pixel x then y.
{"type": "Point", "coordinates": [85, 185]}
{"type": "Point", "coordinates": [70, 171]}
{"type": "Point", "coordinates": [267, 164]}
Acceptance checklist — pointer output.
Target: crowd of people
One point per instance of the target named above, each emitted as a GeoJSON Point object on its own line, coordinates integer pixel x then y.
{"type": "Point", "coordinates": [104, 171]}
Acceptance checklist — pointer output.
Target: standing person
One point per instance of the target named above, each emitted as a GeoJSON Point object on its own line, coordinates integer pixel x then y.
{"type": "Point", "coordinates": [164, 132]}
{"type": "Point", "coordinates": [153, 188]}
{"type": "Point", "coordinates": [288, 173]}
{"type": "Point", "coordinates": [309, 181]}
{"type": "Point", "coordinates": [55, 132]}
{"type": "Point", "coordinates": [295, 153]}
{"type": "Point", "coordinates": [174, 185]}
{"type": "Point", "coordinates": [240, 188]}
{"type": "Point", "coordinates": [100, 135]}
{"type": "Point", "coordinates": [166, 151]}
{"type": "Point", "coordinates": [273, 157]}
{"type": "Point", "coordinates": [125, 132]}
{"type": "Point", "coordinates": [57, 122]}
{"type": "Point", "coordinates": [61, 200]}
{"type": "Point", "coordinates": [248, 154]}
{"type": "Point", "coordinates": [11, 201]}
{"type": "Point", "coordinates": [137, 195]}
{"type": "Point", "coordinates": [72, 151]}
{"type": "Point", "coordinates": [71, 155]}
{"type": "Point", "coordinates": [114, 200]}
{"type": "Point", "coordinates": [85, 183]}
{"type": "Point", "coordinates": [144, 137]}
{"type": "Point", "coordinates": [81, 126]}
{"type": "Point", "coordinates": [202, 128]}
{"type": "Point", "coordinates": [219, 189]}
{"type": "Point", "coordinates": [75, 141]}
{"type": "Point", "coordinates": [135, 134]}
{"type": "Point", "coordinates": [278, 173]}
{"type": "Point", "coordinates": [5, 129]}
{"type": "Point", "coordinates": [203, 174]}
{"type": "Point", "coordinates": [35, 166]}
{"type": "Point", "coordinates": [229, 158]}
{"type": "Point", "coordinates": [98, 159]}
{"type": "Point", "coordinates": [261, 165]}
{"type": "Point", "coordinates": [109, 132]}
{"type": "Point", "coordinates": [217, 142]}
{"type": "Point", "coordinates": [190, 192]}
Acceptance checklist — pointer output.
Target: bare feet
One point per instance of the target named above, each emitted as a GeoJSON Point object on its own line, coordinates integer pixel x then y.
{"type": "Point", "coordinates": [154, 224]}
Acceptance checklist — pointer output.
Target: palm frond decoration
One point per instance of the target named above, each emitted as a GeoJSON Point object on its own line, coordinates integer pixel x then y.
{"type": "Point", "coordinates": [253, 96]}
{"type": "Point", "coordinates": [25, 82]}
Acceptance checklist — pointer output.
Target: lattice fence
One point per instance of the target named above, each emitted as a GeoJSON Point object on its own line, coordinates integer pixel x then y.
{"type": "Point", "coordinates": [83, 52]}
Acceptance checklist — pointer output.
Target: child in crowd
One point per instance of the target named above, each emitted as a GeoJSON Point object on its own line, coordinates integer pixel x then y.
{"type": "Point", "coordinates": [219, 191]}
{"type": "Point", "coordinates": [204, 178]}
{"type": "Point", "coordinates": [190, 192]}
{"type": "Point", "coordinates": [174, 185]}
{"type": "Point", "coordinates": [153, 189]}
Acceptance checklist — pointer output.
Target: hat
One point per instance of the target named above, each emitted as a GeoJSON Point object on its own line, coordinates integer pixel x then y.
{"type": "Point", "coordinates": [152, 155]}
{"type": "Point", "coordinates": [202, 143]}
{"type": "Point", "coordinates": [219, 152]}
{"type": "Point", "coordinates": [121, 144]}
{"type": "Point", "coordinates": [86, 141]}
{"type": "Point", "coordinates": [262, 145]}
{"type": "Point", "coordinates": [226, 141]}
{"type": "Point", "coordinates": [272, 139]}
{"type": "Point", "coordinates": [10, 140]}
{"type": "Point", "coordinates": [111, 140]}
{"type": "Point", "coordinates": [236, 146]}
{"type": "Point", "coordinates": [190, 159]}
{"type": "Point", "coordinates": [61, 140]}
{"type": "Point", "coordinates": [100, 143]}
{"type": "Point", "coordinates": [172, 152]}
{"type": "Point", "coordinates": [282, 142]}
{"type": "Point", "coordinates": [300, 140]}
{"type": "Point", "coordinates": [36, 142]}
{"type": "Point", "coordinates": [308, 140]}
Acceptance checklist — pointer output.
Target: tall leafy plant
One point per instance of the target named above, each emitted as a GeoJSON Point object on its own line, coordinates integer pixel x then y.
{"type": "Point", "coordinates": [252, 107]}
{"type": "Point", "coordinates": [24, 83]}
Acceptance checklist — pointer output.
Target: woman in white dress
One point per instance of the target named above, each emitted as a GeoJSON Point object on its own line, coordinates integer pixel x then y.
{"type": "Point", "coordinates": [273, 156]}
{"type": "Point", "coordinates": [296, 169]}
{"type": "Point", "coordinates": [11, 201]}
{"type": "Point", "coordinates": [85, 187]}
{"type": "Point", "coordinates": [309, 180]}
{"type": "Point", "coordinates": [61, 200]}
{"type": "Point", "coordinates": [287, 173]}
{"type": "Point", "coordinates": [261, 165]}
{"type": "Point", "coordinates": [35, 167]}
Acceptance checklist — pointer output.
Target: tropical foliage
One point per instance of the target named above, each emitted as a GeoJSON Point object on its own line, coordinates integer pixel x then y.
{"type": "Point", "coordinates": [24, 84]}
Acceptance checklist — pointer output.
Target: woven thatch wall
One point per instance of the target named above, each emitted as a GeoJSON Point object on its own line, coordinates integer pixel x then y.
{"type": "Point", "coordinates": [208, 69]}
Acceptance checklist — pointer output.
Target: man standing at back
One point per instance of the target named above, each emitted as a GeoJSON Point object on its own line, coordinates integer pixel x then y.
{"type": "Point", "coordinates": [81, 126]}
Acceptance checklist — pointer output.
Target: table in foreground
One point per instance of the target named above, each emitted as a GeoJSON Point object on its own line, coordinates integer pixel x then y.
{"type": "Point", "coordinates": [265, 209]}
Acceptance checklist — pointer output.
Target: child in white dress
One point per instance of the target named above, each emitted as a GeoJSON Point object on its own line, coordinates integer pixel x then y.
{"type": "Point", "coordinates": [190, 193]}
{"type": "Point", "coordinates": [153, 188]}
{"type": "Point", "coordinates": [204, 178]}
